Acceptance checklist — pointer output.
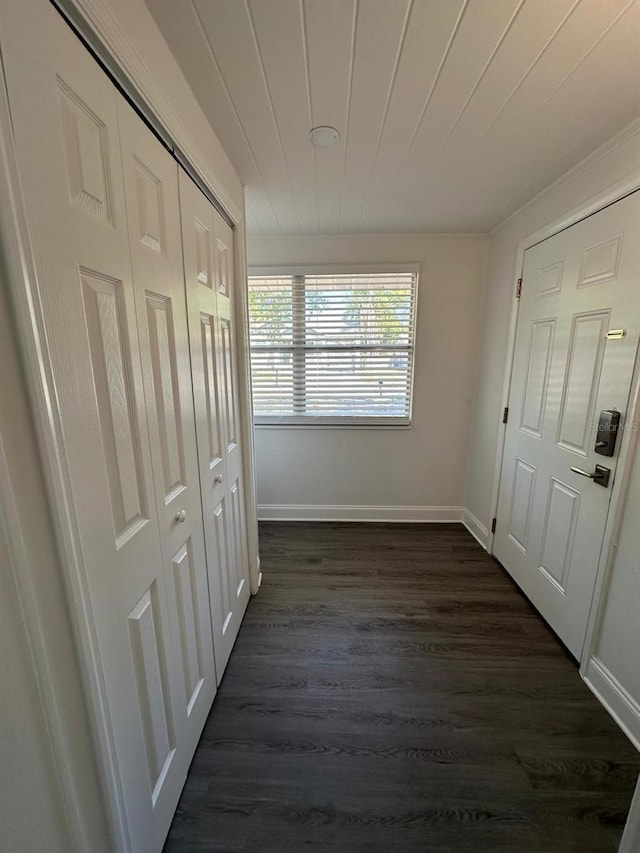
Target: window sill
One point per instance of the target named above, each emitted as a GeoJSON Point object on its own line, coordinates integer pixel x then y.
{"type": "Point", "coordinates": [335, 426]}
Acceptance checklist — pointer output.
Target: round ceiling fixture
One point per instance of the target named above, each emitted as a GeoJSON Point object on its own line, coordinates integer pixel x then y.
{"type": "Point", "coordinates": [323, 136]}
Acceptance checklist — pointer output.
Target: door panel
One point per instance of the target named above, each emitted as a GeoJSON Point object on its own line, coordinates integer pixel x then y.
{"type": "Point", "coordinates": [194, 669]}
{"type": "Point", "coordinates": [524, 481]}
{"type": "Point", "coordinates": [153, 213]}
{"type": "Point", "coordinates": [166, 400]}
{"type": "Point", "coordinates": [88, 160]}
{"type": "Point", "coordinates": [150, 663]}
{"type": "Point", "coordinates": [208, 261]}
{"type": "Point", "coordinates": [224, 559]}
{"type": "Point", "coordinates": [238, 527]}
{"type": "Point", "coordinates": [537, 376]}
{"type": "Point", "coordinates": [581, 380]}
{"type": "Point", "coordinates": [111, 362]}
{"type": "Point", "coordinates": [228, 385]}
{"type": "Point", "coordinates": [576, 287]}
{"type": "Point", "coordinates": [600, 262]}
{"type": "Point", "coordinates": [209, 389]}
{"type": "Point", "coordinates": [560, 519]}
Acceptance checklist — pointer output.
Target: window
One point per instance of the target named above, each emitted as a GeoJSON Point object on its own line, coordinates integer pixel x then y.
{"type": "Point", "coordinates": [332, 348]}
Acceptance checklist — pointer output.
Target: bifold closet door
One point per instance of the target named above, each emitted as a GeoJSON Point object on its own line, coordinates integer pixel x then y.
{"type": "Point", "coordinates": [208, 260]}
{"type": "Point", "coordinates": [139, 579]}
{"type": "Point", "coordinates": [155, 240]}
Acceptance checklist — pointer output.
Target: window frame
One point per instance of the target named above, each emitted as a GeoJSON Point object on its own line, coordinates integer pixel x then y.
{"type": "Point", "coordinates": [345, 421]}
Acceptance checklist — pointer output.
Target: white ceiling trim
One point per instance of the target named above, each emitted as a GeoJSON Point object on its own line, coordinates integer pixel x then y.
{"type": "Point", "coordinates": [573, 174]}
{"type": "Point", "coordinates": [371, 235]}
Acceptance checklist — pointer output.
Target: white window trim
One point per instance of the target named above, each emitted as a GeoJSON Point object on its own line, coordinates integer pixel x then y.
{"type": "Point", "coordinates": [355, 422]}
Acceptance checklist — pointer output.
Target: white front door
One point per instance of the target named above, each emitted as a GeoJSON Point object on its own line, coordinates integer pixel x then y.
{"type": "Point", "coordinates": [208, 261]}
{"type": "Point", "coordinates": [577, 287]}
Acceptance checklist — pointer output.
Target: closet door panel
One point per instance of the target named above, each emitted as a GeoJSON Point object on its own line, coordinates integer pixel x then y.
{"type": "Point", "coordinates": [151, 194]}
{"type": "Point", "coordinates": [218, 446]}
{"type": "Point", "coordinates": [228, 370]}
{"type": "Point", "coordinates": [224, 283]}
{"type": "Point", "coordinates": [64, 118]}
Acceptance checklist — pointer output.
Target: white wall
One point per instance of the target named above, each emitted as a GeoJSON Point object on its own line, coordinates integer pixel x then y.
{"type": "Point", "coordinates": [608, 166]}
{"type": "Point", "coordinates": [352, 473]}
{"type": "Point", "coordinates": [612, 668]}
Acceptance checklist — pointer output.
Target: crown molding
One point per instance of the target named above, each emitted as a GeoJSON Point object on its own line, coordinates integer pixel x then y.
{"type": "Point", "coordinates": [372, 235]}
{"type": "Point", "coordinates": [620, 138]}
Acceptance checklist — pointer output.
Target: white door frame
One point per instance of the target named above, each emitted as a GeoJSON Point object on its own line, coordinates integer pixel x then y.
{"type": "Point", "coordinates": [25, 297]}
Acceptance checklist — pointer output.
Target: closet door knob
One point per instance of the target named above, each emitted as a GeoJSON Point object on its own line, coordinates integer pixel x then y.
{"type": "Point", "coordinates": [181, 516]}
{"type": "Point", "coordinates": [217, 478]}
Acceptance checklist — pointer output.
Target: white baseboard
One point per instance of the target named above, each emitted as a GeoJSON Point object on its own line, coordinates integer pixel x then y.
{"type": "Point", "coordinates": [318, 512]}
{"type": "Point", "coordinates": [476, 528]}
{"type": "Point", "coordinates": [619, 703]}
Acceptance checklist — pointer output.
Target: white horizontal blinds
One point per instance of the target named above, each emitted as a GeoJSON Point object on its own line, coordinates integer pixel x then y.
{"type": "Point", "coordinates": [332, 347]}
{"type": "Point", "coordinates": [271, 331]}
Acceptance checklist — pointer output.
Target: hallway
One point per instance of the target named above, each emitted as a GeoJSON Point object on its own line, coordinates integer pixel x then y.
{"type": "Point", "coordinates": [391, 690]}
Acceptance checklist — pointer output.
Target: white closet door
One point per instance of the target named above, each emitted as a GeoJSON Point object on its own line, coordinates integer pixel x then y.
{"type": "Point", "coordinates": [208, 261]}
{"type": "Point", "coordinates": [64, 117]}
{"type": "Point", "coordinates": [155, 239]}
{"type": "Point", "coordinates": [224, 281]}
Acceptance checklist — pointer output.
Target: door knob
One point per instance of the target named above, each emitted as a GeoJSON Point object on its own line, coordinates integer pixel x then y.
{"type": "Point", "coordinates": [181, 516]}
{"type": "Point", "coordinates": [600, 476]}
{"type": "Point", "coordinates": [217, 478]}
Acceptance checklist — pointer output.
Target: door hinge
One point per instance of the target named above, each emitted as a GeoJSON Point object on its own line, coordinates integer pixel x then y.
{"type": "Point", "coordinates": [505, 415]}
{"type": "Point", "coordinates": [519, 289]}
{"type": "Point", "coordinates": [493, 525]}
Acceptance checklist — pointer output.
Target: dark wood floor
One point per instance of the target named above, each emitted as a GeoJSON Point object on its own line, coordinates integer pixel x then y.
{"type": "Point", "coordinates": [392, 692]}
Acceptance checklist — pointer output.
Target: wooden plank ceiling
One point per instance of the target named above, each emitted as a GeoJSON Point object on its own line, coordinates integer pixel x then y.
{"type": "Point", "coordinates": [452, 113]}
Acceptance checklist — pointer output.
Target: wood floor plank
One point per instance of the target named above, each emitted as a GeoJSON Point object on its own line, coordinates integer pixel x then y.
{"type": "Point", "coordinates": [391, 690]}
